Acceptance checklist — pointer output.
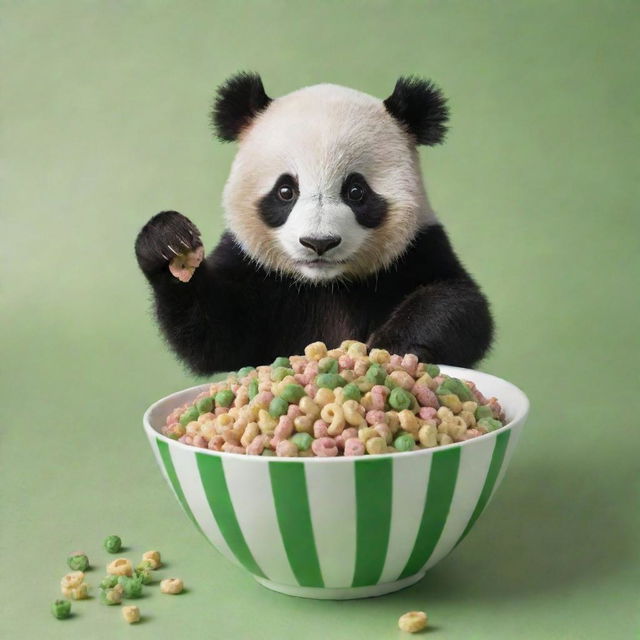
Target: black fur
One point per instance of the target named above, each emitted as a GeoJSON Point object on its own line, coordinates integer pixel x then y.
{"type": "Point", "coordinates": [420, 106]}
{"type": "Point", "coordinates": [372, 209]}
{"type": "Point", "coordinates": [237, 103]}
{"type": "Point", "coordinates": [233, 313]}
{"type": "Point", "coordinates": [271, 208]}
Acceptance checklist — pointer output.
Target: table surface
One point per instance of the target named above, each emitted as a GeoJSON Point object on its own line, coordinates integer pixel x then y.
{"type": "Point", "coordinates": [104, 110]}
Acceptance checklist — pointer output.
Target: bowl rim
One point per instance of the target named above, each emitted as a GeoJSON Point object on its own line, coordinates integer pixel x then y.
{"type": "Point", "coordinates": [521, 413]}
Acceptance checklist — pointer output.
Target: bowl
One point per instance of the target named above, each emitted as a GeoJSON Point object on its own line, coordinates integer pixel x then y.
{"type": "Point", "coordinates": [339, 528]}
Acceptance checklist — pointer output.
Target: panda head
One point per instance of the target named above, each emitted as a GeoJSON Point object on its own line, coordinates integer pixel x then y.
{"type": "Point", "coordinates": [326, 183]}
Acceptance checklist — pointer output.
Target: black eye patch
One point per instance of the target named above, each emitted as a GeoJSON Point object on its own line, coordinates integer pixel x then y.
{"type": "Point", "coordinates": [369, 207]}
{"type": "Point", "coordinates": [275, 206]}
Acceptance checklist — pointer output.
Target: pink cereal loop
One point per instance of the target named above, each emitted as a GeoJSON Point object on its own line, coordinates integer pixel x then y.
{"type": "Point", "coordinates": [320, 429]}
{"type": "Point", "coordinates": [232, 448]}
{"type": "Point", "coordinates": [286, 449]}
{"type": "Point", "coordinates": [311, 390]}
{"type": "Point", "coordinates": [264, 397]}
{"type": "Point", "coordinates": [284, 428]}
{"type": "Point", "coordinates": [427, 413]}
{"type": "Point", "coordinates": [410, 363]}
{"type": "Point", "coordinates": [220, 410]}
{"type": "Point", "coordinates": [324, 447]}
{"type": "Point", "coordinates": [354, 447]}
{"type": "Point", "coordinates": [302, 378]}
{"type": "Point", "coordinates": [294, 411]}
{"type": "Point", "coordinates": [425, 396]}
{"type": "Point", "coordinates": [375, 415]}
{"type": "Point", "coordinates": [395, 361]}
{"type": "Point", "coordinates": [349, 432]}
{"type": "Point", "coordinates": [199, 441]}
{"type": "Point", "coordinates": [257, 445]}
{"type": "Point", "coordinates": [346, 362]}
{"type": "Point", "coordinates": [215, 444]}
{"type": "Point", "coordinates": [298, 366]}
{"type": "Point", "coordinates": [379, 395]}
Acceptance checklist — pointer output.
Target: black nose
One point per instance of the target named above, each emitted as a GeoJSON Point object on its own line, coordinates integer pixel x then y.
{"type": "Point", "coordinates": [321, 245]}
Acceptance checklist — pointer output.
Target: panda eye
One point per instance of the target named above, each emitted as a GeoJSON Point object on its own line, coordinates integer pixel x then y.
{"type": "Point", "coordinates": [286, 192]}
{"type": "Point", "coordinates": [355, 193]}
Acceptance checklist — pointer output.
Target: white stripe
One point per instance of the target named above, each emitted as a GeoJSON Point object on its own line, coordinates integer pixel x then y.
{"type": "Point", "coordinates": [332, 503]}
{"type": "Point", "coordinates": [410, 480]}
{"type": "Point", "coordinates": [475, 459]}
{"type": "Point", "coordinates": [186, 467]}
{"type": "Point", "coordinates": [250, 491]}
{"type": "Point", "coordinates": [514, 435]}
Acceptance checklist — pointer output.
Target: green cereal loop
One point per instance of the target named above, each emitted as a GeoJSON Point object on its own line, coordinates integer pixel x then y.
{"type": "Point", "coordinates": [376, 374]}
{"type": "Point", "coordinates": [188, 416]}
{"type": "Point", "coordinates": [78, 562]}
{"type": "Point", "coordinates": [455, 386]}
{"type": "Point", "coordinates": [330, 381]}
{"type": "Point", "coordinates": [132, 587]}
{"type": "Point", "coordinates": [268, 452]}
{"type": "Point", "coordinates": [144, 575]}
{"type": "Point", "coordinates": [302, 440]}
{"type": "Point", "coordinates": [351, 392]}
{"type": "Point", "coordinates": [490, 424]}
{"type": "Point", "coordinates": [404, 442]}
{"type": "Point", "coordinates": [278, 407]}
{"type": "Point", "coordinates": [432, 370]}
{"type": "Point", "coordinates": [224, 398]}
{"type": "Point", "coordinates": [483, 412]}
{"type": "Point", "coordinates": [279, 373]}
{"type": "Point", "coordinates": [113, 544]}
{"type": "Point", "coordinates": [108, 582]}
{"type": "Point", "coordinates": [253, 388]}
{"type": "Point", "coordinates": [328, 365]}
{"type": "Point", "coordinates": [280, 361]}
{"type": "Point", "coordinates": [400, 399]}
{"type": "Point", "coordinates": [292, 393]}
{"type": "Point", "coordinates": [245, 371]}
{"type": "Point", "coordinates": [61, 609]}
{"type": "Point", "coordinates": [204, 405]}
{"type": "Point", "coordinates": [390, 383]}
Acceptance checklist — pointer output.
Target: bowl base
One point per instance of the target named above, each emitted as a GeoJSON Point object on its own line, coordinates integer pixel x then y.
{"type": "Point", "coordinates": [346, 593]}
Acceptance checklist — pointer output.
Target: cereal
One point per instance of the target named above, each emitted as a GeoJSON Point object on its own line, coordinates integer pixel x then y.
{"type": "Point", "coordinates": [73, 579]}
{"type": "Point", "coordinates": [61, 609]}
{"type": "Point", "coordinates": [111, 596]}
{"type": "Point", "coordinates": [334, 402]}
{"type": "Point", "coordinates": [131, 614]}
{"type": "Point", "coordinates": [413, 621]}
{"type": "Point", "coordinates": [120, 567]}
{"type": "Point", "coordinates": [132, 586]}
{"type": "Point", "coordinates": [113, 544]}
{"type": "Point", "coordinates": [78, 561]}
{"type": "Point", "coordinates": [78, 592]}
{"type": "Point", "coordinates": [171, 586]}
{"type": "Point", "coordinates": [152, 557]}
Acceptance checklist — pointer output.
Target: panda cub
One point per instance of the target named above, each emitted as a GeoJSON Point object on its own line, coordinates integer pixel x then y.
{"type": "Point", "coordinates": [330, 235]}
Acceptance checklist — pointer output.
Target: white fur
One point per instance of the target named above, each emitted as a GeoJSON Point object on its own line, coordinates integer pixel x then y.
{"type": "Point", "coordinates": [320, 135]}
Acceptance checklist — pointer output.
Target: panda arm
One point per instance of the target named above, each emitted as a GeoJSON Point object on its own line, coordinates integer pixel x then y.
{"type": "Point", "coordinates": [446, 317]}
{"type": "Point", "coordinates": [205, 320]}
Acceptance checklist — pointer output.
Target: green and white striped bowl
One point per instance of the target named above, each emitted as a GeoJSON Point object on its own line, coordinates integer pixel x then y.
{"type": "Point", "coordinates": [339, 527]}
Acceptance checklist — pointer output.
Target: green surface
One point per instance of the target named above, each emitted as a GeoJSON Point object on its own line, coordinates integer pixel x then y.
{"type": "Point", "coordinates": [105, 123]}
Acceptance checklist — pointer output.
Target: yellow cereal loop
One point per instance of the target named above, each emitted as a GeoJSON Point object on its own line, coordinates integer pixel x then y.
{"type": "Point", "coordinates": [309, 407]}
{"type": "Point", "coordinates": [316, 350]}
{"type": "Point", "coordinates": [357, 349]}
{"type": "Point", "coordinates": [409, 422]}
{"type": "Point", "coordinates": [413, 621]}
{"type": "Point", "coordinates": [367, 433]}
{"type": "Point", "coordinates": [153, 557]}
{"type": "Point", "coordinates": [120, 567]}
{"type": "Point", "coordinates": [376, 445]}
{"type": "Point", "coordinates": [379, 356]}
{"type": "Point", "coordinates": [428, 435]}
{"type": "Point", "coordinates": [72, 579]}
{"type": "Point", "coordinates": [333, 414]}
{"type": "Point", "coordinates": [303, 424]}
{"type": "Point", "coordinates": [171, 586]}
{"type": "Point", "coordinates": [352, 414]}
{"type": "Point", "coordinates": [324, 396]}
{"type": "Point", "coordinates": [131, 613]}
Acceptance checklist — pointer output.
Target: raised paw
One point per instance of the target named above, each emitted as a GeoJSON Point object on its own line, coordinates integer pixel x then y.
{"type": "Point", "coordinates": [170, 240]}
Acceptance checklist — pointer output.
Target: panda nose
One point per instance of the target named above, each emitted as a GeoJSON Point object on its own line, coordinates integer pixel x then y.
{"type": "Point", "coordinates": [321, 245]}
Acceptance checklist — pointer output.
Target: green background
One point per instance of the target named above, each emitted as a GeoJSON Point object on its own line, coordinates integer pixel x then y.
{"type": "Point", "coordinates": [105, 123]}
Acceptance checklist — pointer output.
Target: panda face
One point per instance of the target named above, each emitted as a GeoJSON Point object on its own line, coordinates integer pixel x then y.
{"type": "Point", "coordinates": [326, 185]}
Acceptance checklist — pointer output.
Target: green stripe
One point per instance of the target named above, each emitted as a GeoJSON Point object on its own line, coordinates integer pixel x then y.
{"type": "Point", "coordinates": [497, 459]}
{"type": "Point", "coordinates": [215, 488]}
{"type": "Point", "coordinates": [289, 488]}
{"type": "Point", "coordinates": [163, 447]}
{"type": "Point", "coordinates": [374, 487]}
{"type": "Point", "coordinates": [442, 483]}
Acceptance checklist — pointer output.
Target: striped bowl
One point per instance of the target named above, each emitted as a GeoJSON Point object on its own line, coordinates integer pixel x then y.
{"type": "Point", "coordinates": [339, 527]}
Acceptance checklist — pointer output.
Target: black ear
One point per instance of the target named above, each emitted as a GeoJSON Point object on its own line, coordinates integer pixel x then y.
{"type": "Point", "coordinates": [420, 106]}
{"type": "Point", "coordinates": [237, 103]}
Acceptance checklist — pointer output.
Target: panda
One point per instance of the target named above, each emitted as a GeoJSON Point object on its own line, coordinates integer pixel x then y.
{"type": "Point", "coordinates": [330, 235]}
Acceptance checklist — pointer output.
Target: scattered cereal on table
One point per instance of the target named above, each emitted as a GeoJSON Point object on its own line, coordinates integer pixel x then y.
{"type": "Point", "coordinates": [113, 544]}
{"type": "Point", "coordinates": [78, 561]}
{"type": "Point", "coordinates": [413, 621]}
{"type": "Point", "coordinates": [61, 609]}
{"type": "Point", "coordinates": [120, 567]}
{"type": "Point", "coordinates": [152, 558]}
{"type": "Point", "coordinates": [131, 613]}
{"type": "Point", "coordinates": [172, 586]}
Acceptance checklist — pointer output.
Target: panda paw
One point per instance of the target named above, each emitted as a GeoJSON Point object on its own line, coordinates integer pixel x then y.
{"type": "Point", "coordinates": [170, 240]}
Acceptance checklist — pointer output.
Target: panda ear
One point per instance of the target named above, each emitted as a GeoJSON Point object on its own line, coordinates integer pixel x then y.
{"type": "Point", "coordinates": [420, 106]}
{"type": "Point", "coordinates": [238, 101]}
